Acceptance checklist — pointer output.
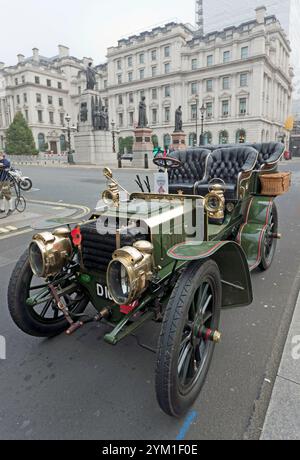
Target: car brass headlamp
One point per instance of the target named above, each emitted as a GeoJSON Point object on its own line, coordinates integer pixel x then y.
{"type": "Point", "coordinates": [214, 204]}
{"type": "Point", "coordinates": [49, 253]}
{"type": "Point", "coordinates": [129, 272]}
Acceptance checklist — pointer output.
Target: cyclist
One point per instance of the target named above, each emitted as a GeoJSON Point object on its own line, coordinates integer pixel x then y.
{"type": "Point", "coordinates": [5, 192]}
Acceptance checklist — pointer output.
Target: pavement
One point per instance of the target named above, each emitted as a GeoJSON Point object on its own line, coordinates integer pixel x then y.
{"type": "Point", "coordinates": [81, 388]}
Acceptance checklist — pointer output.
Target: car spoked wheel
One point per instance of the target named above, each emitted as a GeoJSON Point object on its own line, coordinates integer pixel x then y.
{"type": "Point", "coordinates": [269, 242]}
{"type": "Point", "coordinates": [188, 337]}
{"type": "Point", "coordinates": [32, 305]}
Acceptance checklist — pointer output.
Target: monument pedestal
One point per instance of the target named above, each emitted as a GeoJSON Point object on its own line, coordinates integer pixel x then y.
{"type": "Point", "coordinates": [142, 146]}
{"type": "Point", "coordinates": [95, 148]}
{"type": "Point", "coordinates": [179, 140]}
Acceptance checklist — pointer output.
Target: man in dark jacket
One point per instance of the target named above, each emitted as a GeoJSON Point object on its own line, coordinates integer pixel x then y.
{"type": "Point", "coordinates": [5, 192]}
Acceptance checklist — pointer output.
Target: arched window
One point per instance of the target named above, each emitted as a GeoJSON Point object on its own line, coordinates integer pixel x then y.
{"type": "Point", "coordinates": [41, 142]}
{"type": "Point", "coordinates": [223, 137]}
{"type": "Point", "coordinates": [63, 145]}
{"type": "Point", "coordinates": [192, 139]}
{"type": "Point", "coordinates": [207, 138]}
{"type": "Point", "coordinates": [241, 136]}
{"type": "Point", "coordinates": [167, 141]}
{"type": "Point", "coordinates": [155, 141]}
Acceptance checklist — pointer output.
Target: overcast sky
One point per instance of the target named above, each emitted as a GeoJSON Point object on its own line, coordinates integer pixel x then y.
{"type": "Point", "coordinates": [88, 27]}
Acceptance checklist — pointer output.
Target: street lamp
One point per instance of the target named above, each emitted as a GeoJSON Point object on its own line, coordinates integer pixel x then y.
{"type": "Point", "coordinates": [197, 105]}
{"type": "Point", "coordinates": [114, 133]}
{"type": "Point", "coordinates": [69, 129]}
{"type": "Point", "coordinates": [202, 111]}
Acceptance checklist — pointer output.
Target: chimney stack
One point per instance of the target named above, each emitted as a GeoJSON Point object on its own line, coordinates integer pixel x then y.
{"type": "Point", "coordinates": [36, 55]}
{"type": "Point", "coordinates": [63, 51]}
{"type": "Point", "coordinates": [21, 58]}
{"type": "Point", "coordinates": [261, 14]}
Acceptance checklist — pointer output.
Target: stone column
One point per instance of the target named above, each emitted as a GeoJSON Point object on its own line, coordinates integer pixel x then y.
{"type": "Point", "coordinates": [143, 146]}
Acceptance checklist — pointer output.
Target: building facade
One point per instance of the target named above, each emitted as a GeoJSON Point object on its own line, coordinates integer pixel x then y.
{"type": "Point", "coordinates": [241, 74]}
{"type": "Point", "coordinates": [219, 14]}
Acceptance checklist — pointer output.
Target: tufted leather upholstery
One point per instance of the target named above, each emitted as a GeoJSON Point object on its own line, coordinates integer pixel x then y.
{"type": "Point", "coordinates": [191, 171]}
{"type": "Point", "coordinates": [227, 164]}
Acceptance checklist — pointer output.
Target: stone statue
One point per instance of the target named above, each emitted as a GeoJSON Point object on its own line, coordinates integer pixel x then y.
{"type": "Point", "coordinates": [143, 122]}
{"type": "Point", "coordinates": [83, 112]}
{"type": "Point", "coordinates": [178, 120]}
{"type": "Point", "coordinates": [90, 77]}
{"type": "Point", "coordinates": [97, 124]}
{"type": "Point", "coordinates": [102, 118]}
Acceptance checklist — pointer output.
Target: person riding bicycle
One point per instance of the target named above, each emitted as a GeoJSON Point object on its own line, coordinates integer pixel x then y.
{"type": "Point", "coordinates": [5, 191]}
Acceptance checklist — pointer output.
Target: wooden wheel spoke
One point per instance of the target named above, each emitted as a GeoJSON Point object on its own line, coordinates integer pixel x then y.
{"type": "Point", "coordinates": [183, 358]}
{"type": "Point", "coordinates": [46, 308]}
{"type": "Point", "coordinates": [187, 363]}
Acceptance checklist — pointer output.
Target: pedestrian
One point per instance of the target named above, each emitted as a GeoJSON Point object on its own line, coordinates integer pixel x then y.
{"type": "Point", "coordinates": [5, 191]}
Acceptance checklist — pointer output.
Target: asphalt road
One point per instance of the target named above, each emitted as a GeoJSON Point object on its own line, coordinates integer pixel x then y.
{"type": "Point", "coordinates": [82, 388]}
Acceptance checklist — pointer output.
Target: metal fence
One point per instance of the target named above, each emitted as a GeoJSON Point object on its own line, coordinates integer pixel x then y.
{"type": "Point", "coordinates": [42, 159]}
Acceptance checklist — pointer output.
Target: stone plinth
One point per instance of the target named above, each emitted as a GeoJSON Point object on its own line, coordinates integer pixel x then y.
{"type": "Point", "coordinates": [142, 146]}
{"type": "Point", "coordinates": [179, 141]}
{"type": "Point", "coordinates": [95, 148]}
{"type": "Point", "coordinates": [85, 101]}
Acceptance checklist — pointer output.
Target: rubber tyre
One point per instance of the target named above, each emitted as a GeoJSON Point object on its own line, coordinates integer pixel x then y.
{"type": "Point", "coordinates": [171, 401]}
{"type": "Point", "coordinates": [266, 261]}
{"type": "Point", "coordinates": [20, 313]}
{"type": "Point", "coordinates": [26, 185]}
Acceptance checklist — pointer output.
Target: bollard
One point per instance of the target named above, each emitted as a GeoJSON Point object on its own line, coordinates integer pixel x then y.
{"type": "Point", "coordinates": [146, 161]}
{"type": "Point", "coordinates": [119, 161]}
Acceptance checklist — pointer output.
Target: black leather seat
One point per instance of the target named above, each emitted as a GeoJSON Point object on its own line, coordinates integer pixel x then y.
{"type": "Point", "coordinates": [227, 164]}
{"type": "Point", "coordinates": [192, 170]}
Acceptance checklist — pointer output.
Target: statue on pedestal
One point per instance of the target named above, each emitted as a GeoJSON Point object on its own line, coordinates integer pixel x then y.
{"type": "Point", "coordinates": [90, 77]}
{"type": "Point", "coordinates": [83, 112]}
{"type": "Point", "coordinates": [178, 120]}
{"type": "Point", "coordinates": [143, 121]}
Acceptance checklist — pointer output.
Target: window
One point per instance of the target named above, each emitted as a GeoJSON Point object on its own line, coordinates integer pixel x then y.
{"type": "Point", "coordinates": [207, 138]}
{"type": "Point", "coordinates": [119, 77]}
{"type": "Point", "coordinates": [63, 144]}
{"type": "Point", "coordinates": [129, 61]}
{"type": "Point", "coordinates": [167, 141]}
{"type": "Point", "coordinates": [245, 52]}
{"type": "Point", "coordinates": [40, 116]}
{"type": "Point", "coordinates": [225, 108]}
{"type": "Point", "coordinates": [59, 85]}
{"type": "Point", "coordinates": [130, 76]}
{"type": "Point", "coordinates": [62, 119]}
{"type": "Point", "coordinates": [105, 84]}
{"type": "Point", "coordinates": [142, 74]}
{"type": "Point", "coordinates": [60, 102]}
{"type": "Point", "coordinates": [154, 116]}
{"type": "Point", "coordinates": [167, 114]}
{"type": "Point", "coordinates": [167, 68]}
{"type": "Point", "coordinates": [25, 98]}
{"type": "Point", "coordinates": [194, 64]}
{"type": "Point", "coordinates": [39, 98]}
{"type": "Point", "coordinates": [16, 82]}
{"type": "Point", "coordinates": [119, 64]}
{"type": "Point", "coordinates": [243, 106]}
{"type": "Point", "coordinates": [192, 139]}
{"type": "Point", "coordinates": [23, 79]}
{"type": "Point", "coordinates": [209, 85]}
{"type": "Point", "coordinates": [194, 88]}
{"type": "Point", "coordinates": [51, 118]}
{"type": "Point", "coordinates": [142, 58]}
{"type": "Point", "coordinates": [37, 80]}
{"type": "Point", "coordinates": [142, 93]}
{"type": "Point", "coordinates": [167, 51]}
{"type": "Point", "coordinates": [154, 93]}
{"type": "Point", "coordinates": [210, 60]}
{"type": "Point", "coordinates": [167, 91]}
{"type": "Point", "coordinates": [49, 83]}
{"type": "Point", "coordinates": [18, 99]}
{"type": "Point", "coordinates": [121, 119]}
{"type": "Point", "coordinates": [131, 98]}
{"type": "Point", "coordinates": [223, 137]}
{"type": "Point", "coordinates": [209, 110]}
{"type": "Point", "coordinates": [153, 55]}
{"type": "Point", "coordinates": [154, 71]}
{"type": "Point", "coordinates": [41, 142]}
{"type": "Point", "coordinates": [244, 79]}
{"type": "Point", "coordinates": [79, 90]}
{"type": "Point", "coordinates": [50, 100]}
{"type": "Point", "coordinates": [241, 136]}
{"type": "Point", "coordinates": [26, 115]}
{"type": "Point", "coordinates": [120, 99]}
{"type": "Point", "coordinates": [226, 83]}
{"type": "Point", "coordinates": [193, 111]}
{"type": "Point", "coordinates": [131, 121]}
{"type": "Point", "coordinates": [226, 56]}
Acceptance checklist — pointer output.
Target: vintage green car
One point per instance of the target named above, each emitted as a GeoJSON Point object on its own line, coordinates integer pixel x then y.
{"type": "Point", "coordinates": [175, 258]}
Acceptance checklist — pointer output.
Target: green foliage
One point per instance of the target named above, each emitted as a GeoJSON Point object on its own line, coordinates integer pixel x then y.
{"type": "Point", "coordinates": [19, 138]}
{"type": "Point", "coordinates": [126, 143]}
{"type": "Point", "coordinates": [155, 141]}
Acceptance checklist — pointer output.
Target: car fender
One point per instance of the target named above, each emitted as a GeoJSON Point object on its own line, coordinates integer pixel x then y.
{"type": "Point", "coordinates": [232, 263]}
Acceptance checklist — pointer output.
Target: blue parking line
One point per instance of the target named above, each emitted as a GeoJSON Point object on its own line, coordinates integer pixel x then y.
{"type": "Point", "coordinates": [186, 426]}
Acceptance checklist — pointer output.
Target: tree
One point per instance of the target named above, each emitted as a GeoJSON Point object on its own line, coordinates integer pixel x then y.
{"type": "Point", "coordinates": [19, 137]}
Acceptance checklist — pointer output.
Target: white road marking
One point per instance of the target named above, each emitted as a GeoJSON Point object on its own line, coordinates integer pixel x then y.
{"type": "Point", "coordinates": [11, 228]}
{"type": "Point", "coordinates": [4, 230]}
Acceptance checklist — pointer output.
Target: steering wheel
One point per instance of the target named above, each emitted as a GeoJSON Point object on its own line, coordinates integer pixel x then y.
{"type": "Point", "coordinates": [216, 180]}
{"type": "Point", "coordinates": [167, 162]}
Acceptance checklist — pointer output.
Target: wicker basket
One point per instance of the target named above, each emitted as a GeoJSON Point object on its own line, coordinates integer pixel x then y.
{"type": "Point", "coordinates": [276, 184]}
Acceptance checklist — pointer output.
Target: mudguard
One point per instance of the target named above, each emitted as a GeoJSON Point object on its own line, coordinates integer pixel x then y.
{"type": "Point", "coordinates": [251, 234]}
{"type": "Point", "coordinates": [232, 262]}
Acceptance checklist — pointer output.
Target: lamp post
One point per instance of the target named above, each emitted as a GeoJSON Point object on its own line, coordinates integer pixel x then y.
{"type": "Point", "coordinates": [197, 105]}
{"type": "Point", "coordinates": [202, 111]}
{"type": "Point", "coordinates": [69, 129]}
{"type": "Point", "coordinates": [115, 133]}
